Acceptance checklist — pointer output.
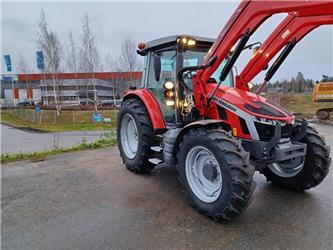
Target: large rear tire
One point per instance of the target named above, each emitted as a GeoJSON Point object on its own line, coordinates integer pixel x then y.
{"type": "Point", "coordinates": [216, 173]}
{"type": "Point", "coordinates": [314, 169]}
{"type": "Point", "coordinates": [135, 136]}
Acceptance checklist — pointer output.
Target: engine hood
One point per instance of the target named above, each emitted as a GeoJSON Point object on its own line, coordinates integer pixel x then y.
{"type": "Point", "coordinates": [250, 103]}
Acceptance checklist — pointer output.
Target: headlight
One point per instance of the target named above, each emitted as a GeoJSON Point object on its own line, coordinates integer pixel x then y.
{"type": "Point", "coordinates": [170, 102]}
{"type": "Point", "coordinates": [264, 121]}
{"type": "Point", "coordinates": [168, 85]}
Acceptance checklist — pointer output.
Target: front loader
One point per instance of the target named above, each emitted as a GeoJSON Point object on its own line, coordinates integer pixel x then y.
{"type": "Point", "coordinates": [193, 112]}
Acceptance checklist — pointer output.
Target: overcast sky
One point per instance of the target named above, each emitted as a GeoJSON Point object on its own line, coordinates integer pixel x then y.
{"type": "Point", "coordinates": [112, 22]}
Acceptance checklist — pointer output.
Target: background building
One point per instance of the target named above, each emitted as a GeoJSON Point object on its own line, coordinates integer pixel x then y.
{"type": "Point", "coordinates": [67, 88]}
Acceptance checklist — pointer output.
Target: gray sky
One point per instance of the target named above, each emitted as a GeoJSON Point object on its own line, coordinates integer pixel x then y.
{"type": "Point", "coordinates": [113, 22]}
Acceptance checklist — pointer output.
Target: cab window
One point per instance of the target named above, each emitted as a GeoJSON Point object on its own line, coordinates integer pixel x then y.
{"type": "Point", "coordinates": [194, 58]}
{"type": "Point", "coordinates": [168, 66]}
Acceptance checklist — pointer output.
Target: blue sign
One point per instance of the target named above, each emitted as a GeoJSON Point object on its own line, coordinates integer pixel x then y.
{"type": "Point", "coordinates": [37, 109]}
{"type": "Point", "coordinates": [7, 78]}
{"type": "Point", "coordinates": [8, 62]}
{"type": "Point", "coordinates": [40, 60]}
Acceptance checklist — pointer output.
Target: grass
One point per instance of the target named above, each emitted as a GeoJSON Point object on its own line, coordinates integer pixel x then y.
{"type": "Point", "coordinates": [302, 103]}
{"type": "Point", "coordinates": [81, 120]}
{"type": "Point", "coordinates": [41, 155]}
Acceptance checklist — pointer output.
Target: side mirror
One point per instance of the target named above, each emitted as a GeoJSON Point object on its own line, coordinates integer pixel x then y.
{"type": "Point", "coordinates": [255, 49]}
{"type": "Point", "coordinates": [157, 67]}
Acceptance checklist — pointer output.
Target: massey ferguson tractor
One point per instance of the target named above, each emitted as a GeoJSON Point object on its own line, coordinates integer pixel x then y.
{"type": "Point", "coordinates": [192, 111]}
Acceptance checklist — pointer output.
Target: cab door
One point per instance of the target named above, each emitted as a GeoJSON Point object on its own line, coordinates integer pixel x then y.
{"type": "Point", "coordinates": [157, 78]}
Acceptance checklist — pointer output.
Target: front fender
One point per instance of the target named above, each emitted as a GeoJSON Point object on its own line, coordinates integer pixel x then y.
{"type": "Point", "coordinates": [196, 124]}
{"type": "Point", "coordinates": [151, 104]}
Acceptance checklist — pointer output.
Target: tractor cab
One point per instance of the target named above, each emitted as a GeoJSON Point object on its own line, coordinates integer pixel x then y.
{"type": "Point", "coordinates": [164, 58]}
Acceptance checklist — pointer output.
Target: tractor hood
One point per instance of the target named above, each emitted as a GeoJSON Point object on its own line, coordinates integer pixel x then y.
{"type": "Point", "coordinates": [239, 100]}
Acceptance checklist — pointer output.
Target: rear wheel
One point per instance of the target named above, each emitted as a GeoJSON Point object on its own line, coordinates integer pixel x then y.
{"type": "Point", "coordinates": [216, 173]}
{"type": "Point", "coordinates": [303, 172]}
{"type": "Point", "coordinates": [135, 136]}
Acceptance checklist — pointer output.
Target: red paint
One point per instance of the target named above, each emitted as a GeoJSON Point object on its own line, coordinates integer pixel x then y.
{"type": "Point", "coordinates": [16, 93]}
{"type": "Point", "coordinates": [29, 93]}
{"type": "Point", "coordinates": [151, 104]}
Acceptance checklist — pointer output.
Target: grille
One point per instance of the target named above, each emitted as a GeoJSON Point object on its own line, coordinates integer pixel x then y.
{"type": "Point", "coordinates": [266, 131]}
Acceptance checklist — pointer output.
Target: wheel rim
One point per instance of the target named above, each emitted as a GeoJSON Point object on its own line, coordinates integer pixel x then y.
{"type": "Point", "coordinates": [129, 136]}
{"type": "Point", "coordinates": [203, 174]}
{"type": "Point", "coordinates": [288, 168]}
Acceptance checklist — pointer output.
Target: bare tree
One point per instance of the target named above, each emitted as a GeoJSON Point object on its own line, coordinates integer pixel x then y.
{"type": "Point", "coordinates": [89, 57]}
{"type": "Point", "coordinates": [72, 60]}
{"type": "Point", "coordinates": [128, 59]}
{"type": "Point", "coordinates": [112, 66]}
{"type": "Point", "coordinates": [22, 67]}
{"type": "Point", "coordinates": [49, 43]}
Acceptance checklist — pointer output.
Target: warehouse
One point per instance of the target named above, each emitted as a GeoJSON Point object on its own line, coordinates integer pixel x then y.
{"type": "Point", "coordinates": [66, 88]}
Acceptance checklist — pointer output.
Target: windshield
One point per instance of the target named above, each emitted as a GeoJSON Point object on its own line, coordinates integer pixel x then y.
{"type": "Point", "coordinates": [194, 58]}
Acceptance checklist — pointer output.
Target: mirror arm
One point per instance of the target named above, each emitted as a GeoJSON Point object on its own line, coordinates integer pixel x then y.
{"type": "Point", "coordinates": [251, 45]}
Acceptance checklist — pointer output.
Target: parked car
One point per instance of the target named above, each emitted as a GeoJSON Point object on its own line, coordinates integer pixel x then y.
{"type": "Point", "coordinates": [86, 101]}
{"type": "Point", "coordinates": [26, 103]}
{"type": "Point", "coordinates": [107, 103]}
{"type": "Point", "coordinates": [118, 102]}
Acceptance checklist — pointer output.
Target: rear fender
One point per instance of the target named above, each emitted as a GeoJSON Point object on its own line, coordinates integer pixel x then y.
{"type": "Point", "coordinates": [151, 104]}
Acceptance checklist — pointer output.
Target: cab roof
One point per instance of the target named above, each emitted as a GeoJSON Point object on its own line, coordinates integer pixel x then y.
{"type": "Point", "coordinates": [169, 41]}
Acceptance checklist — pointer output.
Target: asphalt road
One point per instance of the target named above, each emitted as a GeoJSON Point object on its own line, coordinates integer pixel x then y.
{"type": "Point", "coordinates": [88, 200]}
{"type": "Point", "coordinates": [16, 140]}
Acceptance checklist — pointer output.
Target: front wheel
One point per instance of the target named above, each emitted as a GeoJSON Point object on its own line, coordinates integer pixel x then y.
{"type": "Point", "coordinates": [135, 136]}
{"type": "Point", "coordinates": [303, 172]}
{"type": "Point", "coordinates": [216, 173]}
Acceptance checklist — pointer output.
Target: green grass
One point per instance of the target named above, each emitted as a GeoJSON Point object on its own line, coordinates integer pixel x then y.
{"type": "Point", "coordinates": [41, 155]}
{"type": "Point", "coordinates": [302, 103]}
{"type": "Point", "coordinates": [65, 122]}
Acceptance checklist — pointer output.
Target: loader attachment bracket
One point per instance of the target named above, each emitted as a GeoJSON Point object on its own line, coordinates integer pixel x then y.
{"type": "Point", "coordinates": [302, 132]}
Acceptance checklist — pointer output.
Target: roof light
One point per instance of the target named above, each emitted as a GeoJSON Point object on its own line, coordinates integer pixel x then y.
{"type": "Point", "coordinates": [184, 40]}
{"type": "Point", "coordinates": [191, 42]}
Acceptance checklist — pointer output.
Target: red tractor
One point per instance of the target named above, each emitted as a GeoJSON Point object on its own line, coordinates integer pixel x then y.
{"type": "Point", "coordinates": [193, 112]}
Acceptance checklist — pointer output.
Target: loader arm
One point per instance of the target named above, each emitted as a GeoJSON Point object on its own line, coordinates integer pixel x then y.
{"type": "Point", "coordinates": [248, 16]}
{"type": "Point", "coordinates": [291, 30]}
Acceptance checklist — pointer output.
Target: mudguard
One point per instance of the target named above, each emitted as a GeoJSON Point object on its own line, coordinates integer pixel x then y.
{"type": "Point", "coordinates": [151, 104]}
